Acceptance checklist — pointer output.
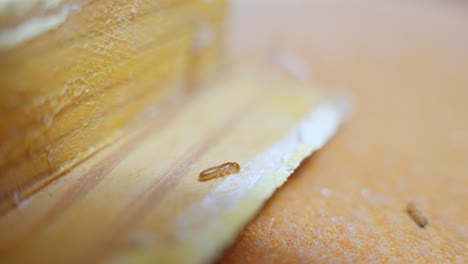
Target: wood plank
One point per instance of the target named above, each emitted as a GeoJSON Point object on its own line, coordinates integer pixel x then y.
{"type": "Point", "coordinates": [139, 200]}
{"type": "Point", "coordinates": [62, 91]}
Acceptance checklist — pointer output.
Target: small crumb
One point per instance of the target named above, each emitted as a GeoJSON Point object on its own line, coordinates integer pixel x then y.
{"type": "Point", "coordinates": [416, 215]}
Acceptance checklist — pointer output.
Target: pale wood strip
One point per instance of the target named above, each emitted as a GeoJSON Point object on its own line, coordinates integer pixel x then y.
{"type": "Point", "coordinates": [125, 203]}
{"type": "Point", "coordinates": [131, 203]}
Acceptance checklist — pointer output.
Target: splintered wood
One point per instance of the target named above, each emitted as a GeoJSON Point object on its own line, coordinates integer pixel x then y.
{"type": "Point", "coordinates": [140, 200]}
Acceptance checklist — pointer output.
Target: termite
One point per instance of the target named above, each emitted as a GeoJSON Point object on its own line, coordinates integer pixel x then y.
{"type": "Point", "coordinates": [416, 215]}
{"type": "Point", "coordinates": [219, 171]}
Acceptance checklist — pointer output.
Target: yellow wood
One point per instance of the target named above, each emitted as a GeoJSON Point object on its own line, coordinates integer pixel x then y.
{"type": "Point", "coordinates": [140, 200]}
{"type": "Point", "coordinates": [72, 89]}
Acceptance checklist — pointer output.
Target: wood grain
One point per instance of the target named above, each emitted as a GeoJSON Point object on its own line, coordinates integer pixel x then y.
{"type": "Point", "coordinates": [75, 88]}
{"type": "Point", "coordinates": [139, 200]}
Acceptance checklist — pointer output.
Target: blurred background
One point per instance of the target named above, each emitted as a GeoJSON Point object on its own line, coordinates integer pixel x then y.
{"type": "Point", "coordinates": [404, 64]}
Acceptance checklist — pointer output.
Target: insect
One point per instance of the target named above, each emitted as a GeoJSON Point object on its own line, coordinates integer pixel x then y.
{"type": "Point", "coordinates": [416, 215]}
{"type": "Point", "coordinates": [219, 171]}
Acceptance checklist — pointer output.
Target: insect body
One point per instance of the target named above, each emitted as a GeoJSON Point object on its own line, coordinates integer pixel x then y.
{"type": "Point", "coordinates": [416, 215]}
{"type": "Point", "coordinates": [219, 171]}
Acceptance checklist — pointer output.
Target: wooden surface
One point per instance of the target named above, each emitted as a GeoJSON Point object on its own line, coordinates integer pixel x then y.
{"type": "Point", "coordinates": [102, 68]}
{"type": "Point", "coordinates": [139, 200]}
{"type": "Point", "coordinates": [405, 64]}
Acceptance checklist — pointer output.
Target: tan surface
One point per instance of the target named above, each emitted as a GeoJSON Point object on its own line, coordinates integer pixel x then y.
{"type": "Point", "coordinates": [406, 67]}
